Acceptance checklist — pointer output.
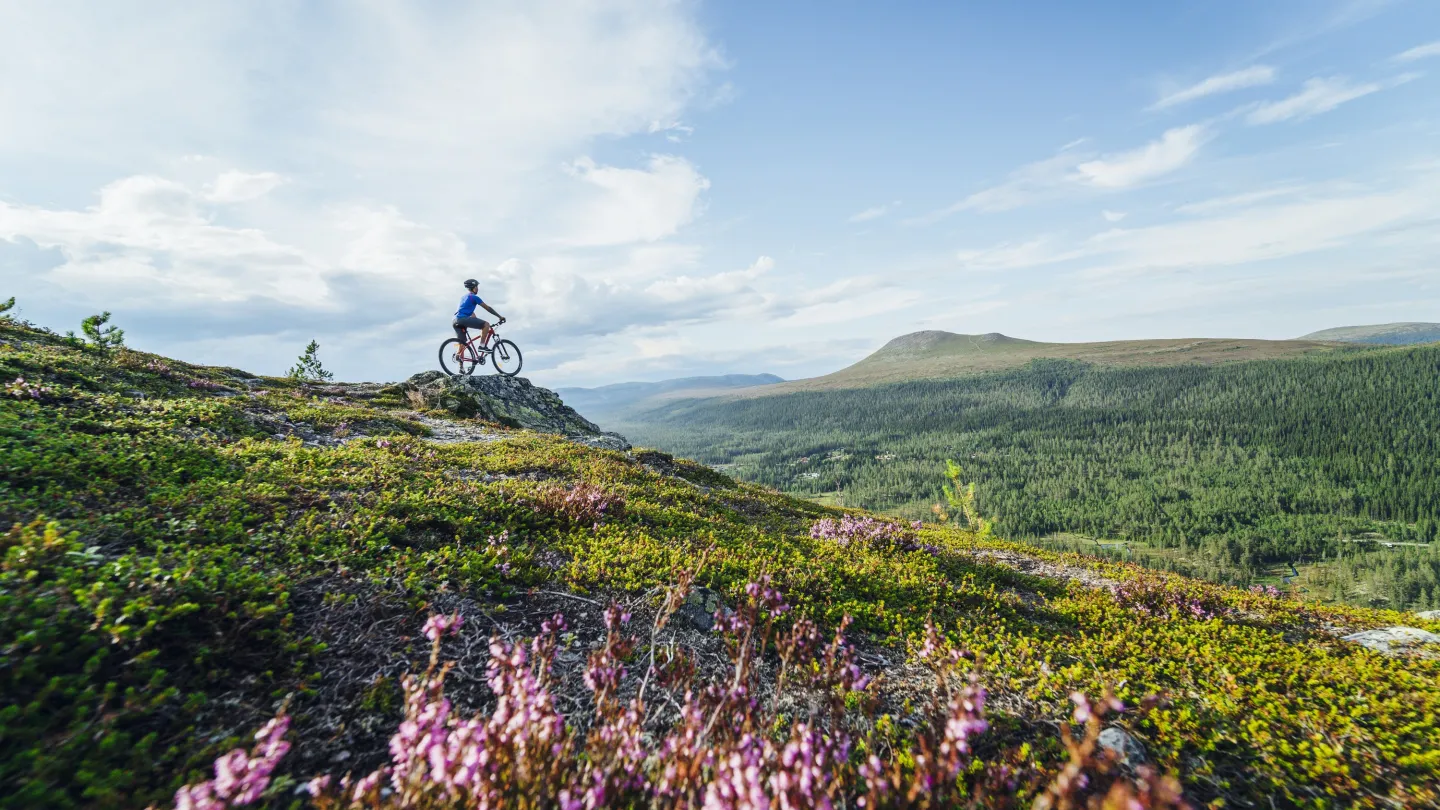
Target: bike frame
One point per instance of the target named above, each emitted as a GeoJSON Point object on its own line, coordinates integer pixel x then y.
{"type": "Point", "coordinates": [478, 351]}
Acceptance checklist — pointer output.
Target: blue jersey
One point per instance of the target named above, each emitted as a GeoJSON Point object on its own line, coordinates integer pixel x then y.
{"type": "Point", "coordinates": [467, 305]}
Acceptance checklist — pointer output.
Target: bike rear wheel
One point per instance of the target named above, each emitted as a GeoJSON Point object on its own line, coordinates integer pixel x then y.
{"type": "Point", "coordinates": [457, 357]}
{"type": "Point", "coordinates": [506, 357]}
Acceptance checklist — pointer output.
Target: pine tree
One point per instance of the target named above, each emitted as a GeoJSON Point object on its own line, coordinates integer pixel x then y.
{"type": "Point", "coordinates": [101, 336]}
{"type": "Point", "coordinates": [307, 366]}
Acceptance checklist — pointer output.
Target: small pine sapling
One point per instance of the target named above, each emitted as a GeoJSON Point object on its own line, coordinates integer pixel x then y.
{"type": "Point", "coordinates": [5, 308]}
{"type": "Point", "coordinates": [960, 503]}
{"type": "Point", "coordinates": [308, 368]}
{"type": "Point", "coordinates": [101, 336]}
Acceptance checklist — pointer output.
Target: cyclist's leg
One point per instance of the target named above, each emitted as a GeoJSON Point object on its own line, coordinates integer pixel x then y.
{"type": "Point", "coordinates": [461, 324]}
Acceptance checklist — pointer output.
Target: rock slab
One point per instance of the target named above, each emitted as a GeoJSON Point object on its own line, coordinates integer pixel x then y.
{"type": "Point", "coordinates": [1393, 639]}
{"type": "Point", "coordinates": [511, 401]}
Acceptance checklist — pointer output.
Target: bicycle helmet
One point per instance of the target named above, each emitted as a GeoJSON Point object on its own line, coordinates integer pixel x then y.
{"type": "Point", "coordinates": [471, 284]}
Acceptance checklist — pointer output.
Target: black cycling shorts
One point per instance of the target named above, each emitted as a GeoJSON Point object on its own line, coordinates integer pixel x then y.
{"type": "Point", "coordinates": [471, 322]}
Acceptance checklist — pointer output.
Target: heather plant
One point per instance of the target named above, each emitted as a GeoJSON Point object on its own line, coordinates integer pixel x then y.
{"type": "Point", "coordinates": [866, 530]}
{"type": "Point", "coordinates": [20, 388]}
{"type": "Point", "coordinates": [584, 504]}
{"type": "Point", "coordinates": [733, 744]}
{"type": "Point", "coordinates": [1153, 597]}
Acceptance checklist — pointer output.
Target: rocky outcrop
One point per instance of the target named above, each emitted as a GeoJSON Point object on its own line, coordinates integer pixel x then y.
{"type": "Point", "coordinates": [511, 401]}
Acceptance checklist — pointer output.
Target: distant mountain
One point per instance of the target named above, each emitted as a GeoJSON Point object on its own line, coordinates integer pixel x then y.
{"type": "Point", "coordinates": [935, 354]}
{"type": "Point", "coordinates": [604, 403]}
{"type": "Point", "coordinates": [1391, 334]}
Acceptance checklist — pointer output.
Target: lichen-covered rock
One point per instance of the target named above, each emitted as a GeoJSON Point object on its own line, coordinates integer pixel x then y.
{"type": "Point", "coordinates": [1429, 614]}
{"type": "Point", "coordinates": [1128, 751]}
{"type": "Point", "coordinates": [699, 608]}
{"type": "Point", "coordinates": [1394, 639]}
{"type": "Point", "coordinates": [510, 401]}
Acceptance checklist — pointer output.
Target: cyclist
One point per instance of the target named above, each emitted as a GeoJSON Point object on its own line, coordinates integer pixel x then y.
{"type": "Point", "coordinates": [465, 315]}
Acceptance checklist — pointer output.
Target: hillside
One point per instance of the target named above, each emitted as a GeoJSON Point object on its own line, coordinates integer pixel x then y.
{"type": "Point", "coordinates": [608, 402]}
{"type": "Point", "coordinates": [195, 549]}
{"type": "Point", "coordinates": [934, 355]}
{"type": "Point", "coordinates": [1392, 334]}
{"type": "Point", "coordinates": [1234, 471]}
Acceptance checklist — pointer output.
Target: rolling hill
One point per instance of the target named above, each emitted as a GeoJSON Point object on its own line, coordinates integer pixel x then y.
{"type": "Point", "coordinates": [1392, 334]}
{"type": "Point", "coordinates": [935, 355]}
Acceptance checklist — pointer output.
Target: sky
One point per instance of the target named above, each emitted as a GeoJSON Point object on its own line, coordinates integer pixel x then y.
{"type": "Point", "coordinates": [658, 188]}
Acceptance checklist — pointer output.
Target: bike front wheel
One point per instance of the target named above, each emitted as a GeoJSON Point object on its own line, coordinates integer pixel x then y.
{"type": "Point", "coordinates": [506, 357]}
{"type": "Point", "coordinates": [457, 357]}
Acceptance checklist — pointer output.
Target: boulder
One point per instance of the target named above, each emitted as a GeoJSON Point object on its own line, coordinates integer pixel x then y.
{"type": "Point", "coordinates": [1128, 751]}
{"type": "Point", "coordinates": [1433, 615]}
{"type": "Point", "coordinates": [511, 401]}
{"type": "Point", "coordinates": [699, 608]}
{"type": "Point", "coordinates": [1393, 639]}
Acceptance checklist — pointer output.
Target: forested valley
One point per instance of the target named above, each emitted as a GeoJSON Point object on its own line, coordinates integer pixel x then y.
{"type": "Point", "coordinates": [1319, 473]}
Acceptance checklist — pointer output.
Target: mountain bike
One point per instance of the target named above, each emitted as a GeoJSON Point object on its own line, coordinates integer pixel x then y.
{"type": "Point", "coordinates": [463, 356]}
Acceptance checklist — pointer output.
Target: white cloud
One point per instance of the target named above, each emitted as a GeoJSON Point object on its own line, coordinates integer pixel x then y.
{"type": "Point", "coordinates": [236, 186]}
{"type": "Point", "coordinates": [1006, 255]}
{"type": "Point", "coordinates": [873, 213]}
{"type": "Point", "coordinates": [1316, 97]}
{"type": "Point", "coordinates": [1030, 183]}
{"type": "Point", "coordinates": [448, 112]}
{"type": "Point", "coordinates": [1174, 149]}
{"type": "Point", "coordinates": [1256, 233]}
{"type": "Point", "coordinates": [1222, 83]}
{"type": "Point", "coordinates": [1418, 52]}
{"type": "Point", "coordinates": [635, 205]}
{"type": "Point", "coordinates": [1242, 200]}
{"type": "Point", "coordinates": [149, 241]}
{"type": "Point", "coordinates": [1068, 171]}
{"type": "Point", "coordinates": [1113, 216]}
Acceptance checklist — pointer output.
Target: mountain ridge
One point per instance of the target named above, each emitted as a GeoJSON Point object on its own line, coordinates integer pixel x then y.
{"type": "Point", "coordinates": [937, 354]}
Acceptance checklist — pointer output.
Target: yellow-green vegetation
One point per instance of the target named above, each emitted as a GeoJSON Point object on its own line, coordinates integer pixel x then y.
{"type": "Point", "coordinates": [163, 538]}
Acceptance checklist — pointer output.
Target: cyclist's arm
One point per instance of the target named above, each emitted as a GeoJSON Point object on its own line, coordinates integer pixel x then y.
{"type": "Point", "coordinates": [491, 310]}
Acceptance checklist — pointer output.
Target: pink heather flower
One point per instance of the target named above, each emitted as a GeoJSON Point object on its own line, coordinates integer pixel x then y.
{"type": "Point", "coordinates": [1082, 707]}
{"type": "Point", "coordinates": [737, 783]}
{"type": "Point", "coordinates": [318, 785]}
{"type": "Point", "coordinates": [440, 624]}
{"type": "Point", "coordinates": [367, 784]}
{"type": "Point", "coordinates": [240, 778]}
{"type": "Point", "coordinates": [867, 531]}
{"type": "Point", "coordinates": [382, 443]}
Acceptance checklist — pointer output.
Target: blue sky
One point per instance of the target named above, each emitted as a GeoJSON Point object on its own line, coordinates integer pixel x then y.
{"type": "Point", "coordinates": [657, 189]}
